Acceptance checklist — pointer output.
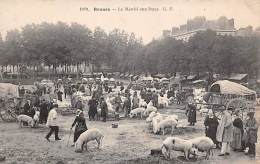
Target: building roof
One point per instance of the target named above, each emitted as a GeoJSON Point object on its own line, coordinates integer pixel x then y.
{"type": "Point", "coordinates": [198, 30]}
{"type": "Point", "coordinates": [191, 77]}
{"type": "Point", "coordinates": [238, 77]}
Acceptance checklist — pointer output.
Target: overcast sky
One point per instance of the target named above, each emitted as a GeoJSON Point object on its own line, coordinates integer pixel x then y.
{"type": "Point", "coordinates": [148, 25]}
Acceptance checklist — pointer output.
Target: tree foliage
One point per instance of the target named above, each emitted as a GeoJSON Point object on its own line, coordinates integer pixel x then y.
{"type": "Point", "coordinates": [64, 45]}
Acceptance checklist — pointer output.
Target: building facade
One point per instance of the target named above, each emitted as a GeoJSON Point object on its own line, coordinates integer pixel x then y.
{"type": "Point", "coordinates": [187, 35]}
{"type": "Point", "coordinates": [222, 26]}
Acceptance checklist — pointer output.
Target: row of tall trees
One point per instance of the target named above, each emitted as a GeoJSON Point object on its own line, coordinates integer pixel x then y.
{"type": "Point", "coordinates": [64, 45]}
{"type": "Point", "coordinates": [204, 52]}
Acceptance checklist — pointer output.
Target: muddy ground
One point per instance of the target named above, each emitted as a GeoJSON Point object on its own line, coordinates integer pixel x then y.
{"type": "Point", "coordinates": [130, 143]}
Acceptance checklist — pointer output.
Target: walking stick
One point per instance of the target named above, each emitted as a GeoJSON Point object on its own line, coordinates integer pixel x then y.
{"type": "Point", "coordinates": [69, 137]}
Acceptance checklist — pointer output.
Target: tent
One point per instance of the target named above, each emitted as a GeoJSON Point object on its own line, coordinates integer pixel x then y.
{"type": "Point", "coordinates": [130, 75]}
{"type": "Point", "coordinates": [165, 79]}
{"type": "Point", "coordinates": [9, 90]}
{"type": "Point", "coordinates": [121, 75]}
{"type": "Point", "coordinates": [198, 81]}
{"type": "Point", "coordinates": [228, 87]}
{"type": "Point", "coordinates": [191, 77]}
{"type": "Point", "coordinates": [111, 79]}
{"type": "Point", "coordinates": [149, 78]}
{"type": "Point", "coordinates": [84, 79]}
{"type": "Point", "coordinates": [159, 76]}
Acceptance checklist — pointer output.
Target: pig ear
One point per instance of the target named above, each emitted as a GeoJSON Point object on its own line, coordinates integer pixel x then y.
{"type": "Point", "coordinates": [173, 141]}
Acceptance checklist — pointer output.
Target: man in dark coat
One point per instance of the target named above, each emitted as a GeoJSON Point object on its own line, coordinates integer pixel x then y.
{"type": "Point", "coordinates": [44, 90]}
{"type": "Point", "coordinates": [110, 90]}
{"type": "Point", "coordinates": [127, 106]}
{"type": "Point", "coordinates": [66, 90]}
{"type": "Point", "coordinates": [22, 91]}
{"type": "Point", "coordinates": [149, 96]}
{"type": "Point", "coordinates": [122, 87]}
{"type": "Point", "coordinates": [155, 99]}
{"type": "Point", "coordinates": [118, 102]}
{"type": "Point", "coordinates": [43, 111]}
{"type": "Point", "coordinates": [59, 95]}
{"type": "Point", "coordinates": [135, 101]}
{"type": "Point", "coordinates": [178, 97]}
{"type": "Point", "coordinates": [104, 109]}
{"type": "Point", "coordinates": [170, 93]}
{"type": "Point", "coordinates": [92, 103]}
{"type": "Point", "coordinates": [106, 87]}
{"type": "Point", "coordinates": [143, 94]}
{"type": "Point", "coordinates": [191, 114]}
{"type": "Point", "coordinates": [27, 109]}
{"type": "Point", "coordinates": [251, 126]}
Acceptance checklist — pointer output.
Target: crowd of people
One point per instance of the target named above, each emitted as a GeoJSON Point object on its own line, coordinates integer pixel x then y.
{"type": "Point", "coordinates": [228, 132]}
{"type": "Point", "coordinates": [231, 132]}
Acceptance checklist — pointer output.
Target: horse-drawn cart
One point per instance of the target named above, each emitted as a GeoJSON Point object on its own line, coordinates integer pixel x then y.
{"type": "Point", "coordinates": [227, 94]}
{"type": "Point", "coordinates": [8, 101]}
{"type": "Point", "coordinates": [11, 105]}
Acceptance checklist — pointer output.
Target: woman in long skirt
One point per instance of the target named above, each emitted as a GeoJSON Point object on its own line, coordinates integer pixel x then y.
{"type": "Point", "coordinates": [211, 125]}
{"type": "Point", "coordinates": [81, 126]}
{"type": "Point", "coordinates": [238, 132]}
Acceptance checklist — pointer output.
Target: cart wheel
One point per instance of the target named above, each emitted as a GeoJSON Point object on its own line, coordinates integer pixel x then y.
{"type": "Point", "coordinates": [7, 112]}
{"type": "Point", "coordinates": [218, 115]}
{"type": "Point", "coordinates": [239, 104]}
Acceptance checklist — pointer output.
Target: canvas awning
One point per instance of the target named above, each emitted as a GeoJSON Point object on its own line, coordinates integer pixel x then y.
{"type": "Point", "coordinates": [8, 90]}
{"type": "Point", "coordinates": [228, 87]}
{"type": "Point", "coordinates": [164, 80]}
{"type": "Point", "coordinates": [149, 78]}
{"type": "Point", "coordinates": [198, 81]}
{"type": "Point", "coordinates": [237, 77]}
{"type": "Point", "coordinates": [127, 74]}
{"type": "Point", "coordinates": [130, 75]}
{"type": "Point", "coordinates": [159, 76]}
{"type": "Point", "coordinates": [112, 79]}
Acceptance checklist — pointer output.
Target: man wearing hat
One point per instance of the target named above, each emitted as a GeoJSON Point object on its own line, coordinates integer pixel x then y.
{"type": "Point", "coordinates": [92, 104]}
{"type": "Point", "coordinates": [104, 109]}
{"type": "Point", "coordinates": [43, 111]}
{"type": "Point", "coordinates": [52, 123]}
{"type": "Point", "coordinates": [225, 131]}
{"type": "Point", "coordinates": [191, 113]}
{"type": "Point", "coordinates": [118, 102]}
{"type": "Point", "coordinates": [251, 127]}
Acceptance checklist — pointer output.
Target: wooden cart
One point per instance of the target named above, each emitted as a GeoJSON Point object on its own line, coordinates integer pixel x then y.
{"type": "Point", "coordinates": [227, 94]}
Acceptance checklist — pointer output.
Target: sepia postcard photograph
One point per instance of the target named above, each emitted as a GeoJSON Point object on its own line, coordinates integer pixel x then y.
{"type": "Point", "coordinates": [129, 81]}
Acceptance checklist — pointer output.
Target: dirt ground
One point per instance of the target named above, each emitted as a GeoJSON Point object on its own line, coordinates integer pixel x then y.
{"type": "Point", "coordinates": [130, 143]}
